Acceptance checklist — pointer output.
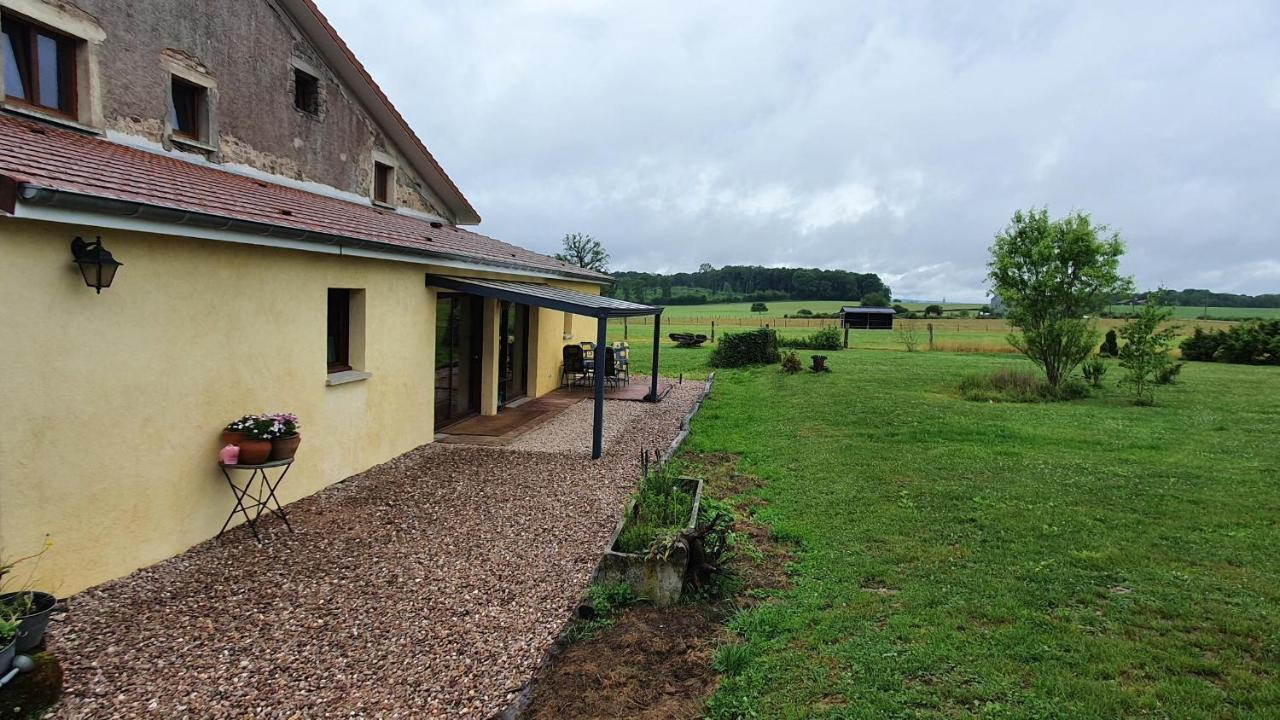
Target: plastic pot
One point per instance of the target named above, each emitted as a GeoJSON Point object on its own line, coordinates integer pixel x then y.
{"type": "Point", "coordinates": [32, 625]}
{"type": "Point", "coordinates": [6, 656]}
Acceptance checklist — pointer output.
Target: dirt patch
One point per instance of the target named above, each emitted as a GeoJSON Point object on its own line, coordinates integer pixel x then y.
{"type": "Point", "coordinates": [653, 663]}
{"type": "Point", "coordinates": [657, 663]}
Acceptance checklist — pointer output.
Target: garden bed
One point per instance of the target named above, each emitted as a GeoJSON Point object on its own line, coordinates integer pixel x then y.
{"type": "Point", "coordinates": [648, 555]}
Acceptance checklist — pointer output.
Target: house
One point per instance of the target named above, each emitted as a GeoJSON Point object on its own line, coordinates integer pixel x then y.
{"type": "Point", "coordinates": [285, 242]}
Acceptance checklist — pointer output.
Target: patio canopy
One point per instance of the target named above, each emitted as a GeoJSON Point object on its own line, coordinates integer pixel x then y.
{"type": "Point", "coordinates": [554, 298]}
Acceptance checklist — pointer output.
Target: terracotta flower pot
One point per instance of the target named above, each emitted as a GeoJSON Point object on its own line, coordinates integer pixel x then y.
{"type": "Point", "coordinates": [232, 437]}
{"type": "Point", "coordinates": [284, 448]}
{"type": "Point", "coordinates": [254, 452]}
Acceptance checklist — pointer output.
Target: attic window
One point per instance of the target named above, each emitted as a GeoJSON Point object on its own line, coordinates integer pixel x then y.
{"type": "Point", "coordinates": [383, 181]}
{"type": "Point", "coordinates": [187, 108]}
{"type": "Point", "coordinates": [39, 66]}
{"type": "Point", "coordinates": [306, 92]}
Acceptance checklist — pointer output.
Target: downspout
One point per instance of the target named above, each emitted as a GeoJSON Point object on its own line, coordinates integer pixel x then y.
{"type": "Point", "coordinates": [8, 194]}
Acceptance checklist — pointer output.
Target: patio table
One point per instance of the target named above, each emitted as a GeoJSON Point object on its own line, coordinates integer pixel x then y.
{"type": "Point", "coordinates": [261, 499]}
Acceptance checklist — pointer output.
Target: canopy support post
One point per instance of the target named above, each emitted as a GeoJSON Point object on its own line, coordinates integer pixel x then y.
{"type": "Point", "coordinates": [653, 378]}
{"type": "Point", "coordinates": [597, 429]}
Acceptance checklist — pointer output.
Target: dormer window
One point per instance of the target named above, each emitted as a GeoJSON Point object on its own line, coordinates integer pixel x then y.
{"type": "Point", "coordinates": [39, 67]}
{"type": "Point", "coordinates": [384, 182]}
{"type": "Point", "coordinates": [188, 105]}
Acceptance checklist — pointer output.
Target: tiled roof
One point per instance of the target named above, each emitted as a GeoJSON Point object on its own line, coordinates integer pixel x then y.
{"type": "Point", "coordinates": [37, 154]}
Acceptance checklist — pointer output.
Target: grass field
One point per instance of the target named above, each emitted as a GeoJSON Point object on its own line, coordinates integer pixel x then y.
{"type": "Point", "coordinates": [778, 308]}
{"type": "Point", "coordinates": [955, 559]}
{"type": "Point", "coordinates": [742, 311]}
{"type": "Point", "coordinates": [1217, 313]}
{"type": "Point", "coordinates": [958, 335]}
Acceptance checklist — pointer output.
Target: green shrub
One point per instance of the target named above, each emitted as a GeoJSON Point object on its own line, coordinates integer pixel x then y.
{"type": "Point", "coordinates": [754, 347]}
{"type": "Point", "coordinates": [1094, 369]}
{"type": "Point", "coordinates": [804, 312]}
{"type": "Point", "coordinates": [1168, 374]}
{"type": "Point", "coordinates": [791, 363]}
{"type": "Point", "coordinates": [1017, 385]}
{"type": "Point", "coordinates": [1110, 347]}
{"type": "Point", "coordinates": [1250, 343]}
{"type": "Point", "coordinates": [1202, 345]}
{"type": "Point", "coordinates": [828, 338]}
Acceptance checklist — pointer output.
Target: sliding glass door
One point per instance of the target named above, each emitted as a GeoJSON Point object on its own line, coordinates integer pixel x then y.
{"type": "Point", "coordinates": [513, 362]}
{"type": "Point", "coordinates": [459, 328]}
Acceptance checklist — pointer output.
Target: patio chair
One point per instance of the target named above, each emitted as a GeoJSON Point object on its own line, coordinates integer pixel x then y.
{"type": "Point", "coordinates": [611, 366]}
{"type": "Point", "coordinates": [622, 356]}
{"type": "Point", "coordinates": [574, 367]}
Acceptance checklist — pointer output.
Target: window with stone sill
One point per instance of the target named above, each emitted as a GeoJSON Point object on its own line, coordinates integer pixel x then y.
{"type": "Point", "coordinates": [188, 109]}
{"type": "Point", "coordinates": [39, 66]}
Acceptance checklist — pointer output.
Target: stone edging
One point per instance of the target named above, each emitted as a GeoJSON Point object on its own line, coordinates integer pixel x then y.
{"type": "Point", "coordinates": [517, 706]}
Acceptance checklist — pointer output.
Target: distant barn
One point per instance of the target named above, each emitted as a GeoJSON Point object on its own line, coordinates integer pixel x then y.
{"type": "Point", "coordinates": [866, 318]}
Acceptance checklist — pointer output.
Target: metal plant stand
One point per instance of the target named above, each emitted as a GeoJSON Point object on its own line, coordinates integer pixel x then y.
{"type": "Point", "coordinates": [262, 499]}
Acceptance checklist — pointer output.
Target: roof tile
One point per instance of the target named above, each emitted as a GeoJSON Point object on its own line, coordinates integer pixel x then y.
{"type": "Point", "coordinates": [35, 153]}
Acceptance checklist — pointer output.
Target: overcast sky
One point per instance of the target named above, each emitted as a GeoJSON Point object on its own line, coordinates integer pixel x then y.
{"type": "Point", "coordinates": [892, 137]}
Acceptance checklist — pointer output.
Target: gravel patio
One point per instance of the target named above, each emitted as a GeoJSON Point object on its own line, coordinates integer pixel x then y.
{"type": "Point", "coordinates": [428, 586]}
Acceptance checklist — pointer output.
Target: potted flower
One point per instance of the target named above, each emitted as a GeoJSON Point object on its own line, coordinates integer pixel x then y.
{"type": "Point", "coordinates": [235, 430]}
{"type": "Point", "coordinates": [255, 447]}
{"type": "Point", "coordinates": [285, 438]}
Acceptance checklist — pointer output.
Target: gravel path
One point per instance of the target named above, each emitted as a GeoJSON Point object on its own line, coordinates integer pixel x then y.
{"type": "Point", "coordinates": [428, 586]}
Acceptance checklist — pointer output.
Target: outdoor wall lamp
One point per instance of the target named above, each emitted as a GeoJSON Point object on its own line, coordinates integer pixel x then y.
{"type": "Point", "coordinates": [96, 263]}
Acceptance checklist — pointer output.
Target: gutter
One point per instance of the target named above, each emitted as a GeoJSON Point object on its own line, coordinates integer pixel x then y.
{"type": "Point", "coordinates": [39, 196]}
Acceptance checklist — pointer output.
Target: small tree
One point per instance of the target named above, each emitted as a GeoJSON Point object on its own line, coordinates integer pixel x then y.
{"type": "Point", "coordinates": [1052, 275]}
{"type": "Point", "coordinates": [1145, 355]}
{"type": "Point", "coordinates": [759, 307]}
{"type": "Point", "coordinates": [933, 310]}
{"type": "Point", "coordinates": [908, 335]}
{"type": "Point", "coordinates": [875, 299]}
{"type": "Point", "coordinates": [584, 251]}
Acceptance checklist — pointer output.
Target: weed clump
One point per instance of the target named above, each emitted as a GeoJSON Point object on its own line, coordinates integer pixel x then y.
{"type": "Point", "coordinates": [662, 506]}
{"type": "Point", "coordinates": [1017, 385]}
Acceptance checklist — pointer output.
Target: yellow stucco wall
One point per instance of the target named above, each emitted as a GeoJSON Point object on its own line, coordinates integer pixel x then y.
{"type": "Point", "coordinates": [112, 403]}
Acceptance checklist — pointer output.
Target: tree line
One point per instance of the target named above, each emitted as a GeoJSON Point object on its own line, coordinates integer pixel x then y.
{"type": "Point", "coordinates": [746, 283]}
{"type": "Point", "coordinates": [1193, 297]}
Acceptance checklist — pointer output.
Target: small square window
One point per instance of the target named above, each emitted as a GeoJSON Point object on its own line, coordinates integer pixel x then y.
{"type": "Point", "coordinates": [187, 107]}
{"type": "Point", "coordinates": [39, 66]}
{"type": "Point", "coordinates": [384, 178]}
{"type": "Point", "coordinates": [306, 92]}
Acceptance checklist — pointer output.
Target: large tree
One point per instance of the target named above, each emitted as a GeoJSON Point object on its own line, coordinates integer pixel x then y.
{"type": "Point", "coordinates": [584, 251]}
{"type": "Point", "coordinates": [1052, 275]}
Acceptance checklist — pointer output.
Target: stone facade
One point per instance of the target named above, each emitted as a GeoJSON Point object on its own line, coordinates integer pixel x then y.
{"type": "Point", "coordinates": [245, 52]}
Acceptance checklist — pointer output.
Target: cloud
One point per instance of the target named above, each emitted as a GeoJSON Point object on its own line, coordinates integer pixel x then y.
{"type": "Point", "coordinates": [893, 137]}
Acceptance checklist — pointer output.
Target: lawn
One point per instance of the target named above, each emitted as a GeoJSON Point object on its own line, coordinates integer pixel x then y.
{"type": "Point", "coordinates": [956, 559]}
